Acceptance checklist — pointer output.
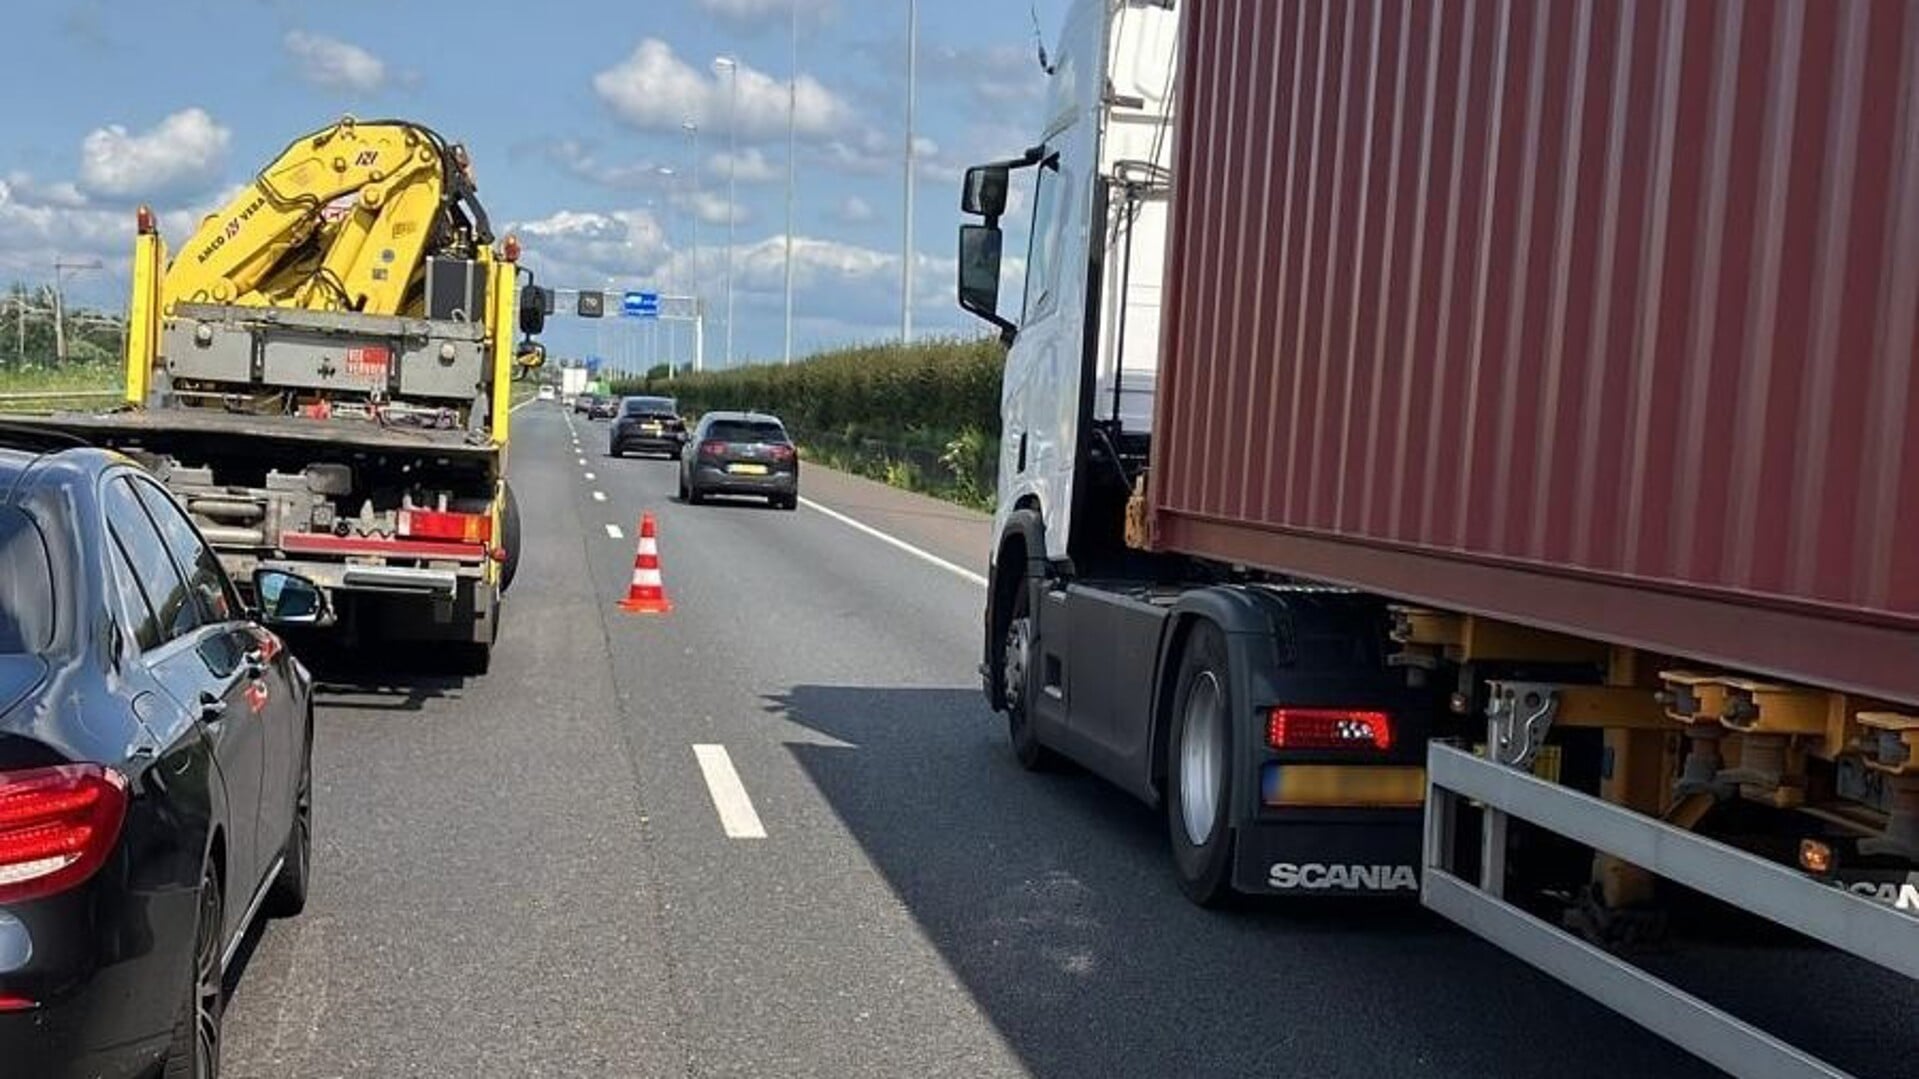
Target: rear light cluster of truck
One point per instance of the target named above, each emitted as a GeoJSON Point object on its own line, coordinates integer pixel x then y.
{"type": "Point", "coordinates": [1328, 728]}
{"type": "Point", "coordinates": [445, 526]}
{"type": "Point", "coordinates": [57, 826]}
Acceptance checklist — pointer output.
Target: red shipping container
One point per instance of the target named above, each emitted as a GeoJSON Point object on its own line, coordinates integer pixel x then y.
{"type": "Point", "coordinates": [1595, 316]}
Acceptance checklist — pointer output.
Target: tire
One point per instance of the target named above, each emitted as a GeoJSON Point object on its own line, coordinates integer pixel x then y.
{"type": "Point", "coordinates": [509, 537]}
{"type": "Point", "coordinates": [693, 495]}
{"type": "Point", "coordinates": [683, 491]}
{"type": "Point", "coordinates": [1199, 769]}
{"type": "Point", "coordinates": [1020, 645]}
{"type": "Point", "coordinates": [195, 1051]}
{"type": "Point", "coordinates": [614, 452]}
{"type": "Point", "coordinates": [287, 897]}
{"type": "Point", "coordinates": [784, 502]}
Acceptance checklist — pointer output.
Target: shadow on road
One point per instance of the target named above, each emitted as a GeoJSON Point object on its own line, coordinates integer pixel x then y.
{"type": "Point", "coordinates": [387, 679]}
{"type": "Point", "coordinates": [1050, 899]}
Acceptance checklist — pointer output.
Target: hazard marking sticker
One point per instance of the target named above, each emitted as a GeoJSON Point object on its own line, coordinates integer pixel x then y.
{"type": "Point", "coordinates": [367, 362]}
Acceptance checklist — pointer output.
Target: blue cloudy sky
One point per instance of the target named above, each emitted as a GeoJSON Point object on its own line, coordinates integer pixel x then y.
{"type": "Point", "coordinates": [571, 112]}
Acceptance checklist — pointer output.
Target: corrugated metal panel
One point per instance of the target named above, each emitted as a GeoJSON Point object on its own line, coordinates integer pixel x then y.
{"type": "Point", "coordinates": [1621, 293]}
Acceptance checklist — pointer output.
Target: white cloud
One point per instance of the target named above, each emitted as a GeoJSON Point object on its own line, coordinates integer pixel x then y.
{"type": "Point", "coordinates": [655, 90]}
{"type": "Point", "coordinates": [712, 208]}
{"type": "Point", "coordinates": [753, 166]}
{"type": "Point", "coordinates": [333, 64]}
{"type": "Point", "coordinates": [574, 248]}
{"type": "Point", "coordinates": [182, 154]}
{"type": "Point", "coordinates": [853, 210]}
{"type": "Point", "coordinates": [996, 75]}
{"type": "Point", "coordinates": [580, 159]}
{"type": "Point", "coordinates": [43, 222]}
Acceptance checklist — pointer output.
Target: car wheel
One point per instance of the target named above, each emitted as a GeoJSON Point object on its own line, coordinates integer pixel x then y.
{"type": "Point", "coordinates": [288, 895]}
{"type": "Point", "coordinates": [693, 495]}
{"type": "Point", "coordinates": [613, 451]}
{"type": "Point", "coordinates": [195, 1051]}
{"type": "Point", "coordinates": [1021, 681]}
{"type": "Point", "coordinates": [1199, 769]}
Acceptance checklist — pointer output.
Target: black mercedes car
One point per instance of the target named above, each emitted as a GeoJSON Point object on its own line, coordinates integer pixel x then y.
{"type": "Point", "coordinates": [155, 791]}
{"type": "Point", "coordinates": [740, 453]}
{"type": "Point", "coordinates": [647, 425]}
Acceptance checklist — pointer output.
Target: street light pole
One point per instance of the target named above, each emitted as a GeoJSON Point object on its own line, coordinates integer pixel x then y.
{"type": "Point", "coordinates": [792, 119]}
{"type": "Point", "coordinates": [693, 219]}
{"type": "Point", "coordinates": [732, 68]}
{"type": "Point", "coordinates": [906, 250]}
{"type": "Point", "coordinates": [60, 305]}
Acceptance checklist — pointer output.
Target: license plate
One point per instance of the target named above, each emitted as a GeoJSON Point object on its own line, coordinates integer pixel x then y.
{"type": "Point", "coordinates": [650, 428]}
{"type": "Point", "coordinates": [746, 470]}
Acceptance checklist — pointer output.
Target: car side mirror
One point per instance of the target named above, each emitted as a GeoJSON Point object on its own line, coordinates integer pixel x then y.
{"type": "Point", "coordinates": [979, 263]}
{"type": "Point", "coordinates": [288, 599]}
{"type": "Point", "coordinates": [984, 192]}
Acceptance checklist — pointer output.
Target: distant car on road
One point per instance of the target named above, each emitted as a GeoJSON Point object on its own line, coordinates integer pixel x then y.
{"type": "Point", "coordinates": [155, 770]}
{"type": "Point", "coordinates": [647, 425]}
{"type": "Point", "coordinates": [603, 407]}
{"type": "Point", "coordinates": [740, 453]}
{"type": "Point", "coordinates": [583, 403]}
{"type": "Point", "coordinates": [546, 393]}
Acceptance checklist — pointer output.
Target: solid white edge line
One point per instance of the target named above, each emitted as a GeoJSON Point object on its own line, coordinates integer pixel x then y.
{"type": "Point", "coordinates": [613, 532]}
{"type": "Point", "coordinates": [925, 556]}
{"type": "Point", "coordinates": [599, 496]}
{"type": "Point", "coordinates": [729, 794]}
{"type": "Point", "coordinates": [511, 409]}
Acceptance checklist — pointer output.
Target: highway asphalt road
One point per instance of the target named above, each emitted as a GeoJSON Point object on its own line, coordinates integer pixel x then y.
{"type": "Point", "coordinates": [530, 873]}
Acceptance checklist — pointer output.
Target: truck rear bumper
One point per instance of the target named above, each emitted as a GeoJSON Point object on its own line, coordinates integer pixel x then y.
{"type": "Point", "coordinates": [389, 580]}
{"type": "Point", "coordinates": [1330, 853]}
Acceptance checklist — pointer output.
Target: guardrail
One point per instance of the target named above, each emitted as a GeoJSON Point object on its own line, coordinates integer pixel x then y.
{"type": "Point", "coordinates": [1871, 931]}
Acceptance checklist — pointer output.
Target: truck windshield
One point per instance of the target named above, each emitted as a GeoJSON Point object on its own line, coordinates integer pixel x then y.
{"type": "Point", "coordinates": [26, 586]}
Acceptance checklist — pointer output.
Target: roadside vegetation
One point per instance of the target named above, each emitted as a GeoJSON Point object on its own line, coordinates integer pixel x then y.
{"type": "Point", "coordinates": [32, 377]}
{"type": "Point", "coordinates": [923, 417]}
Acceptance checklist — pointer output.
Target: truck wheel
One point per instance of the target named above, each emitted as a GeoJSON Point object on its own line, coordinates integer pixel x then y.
{"type": "Point", "coordinates": [1199, 769]}
{"type": "Point", "coordinates": [1022, 686]}
{"type": "Point", "coordinates": [509, 536]}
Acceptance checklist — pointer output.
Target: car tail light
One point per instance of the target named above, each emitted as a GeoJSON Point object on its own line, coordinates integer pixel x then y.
{"type": "Point", "coordinates": [56, 826]}
{"type": "Point", "coordinates": [450, 527]}
{"type": "Point", "coordinates": [1328, 728]}
{"type": "Point", "coordinates": [10, 1002]}
{"type": "Point", "coordinates": [712, 448]}
{"type": "Point", "coordinates": [780, 452]}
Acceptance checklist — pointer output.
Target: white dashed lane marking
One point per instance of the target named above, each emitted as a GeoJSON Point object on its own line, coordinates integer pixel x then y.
{"type": "Point", "coordinates": [730, 800]}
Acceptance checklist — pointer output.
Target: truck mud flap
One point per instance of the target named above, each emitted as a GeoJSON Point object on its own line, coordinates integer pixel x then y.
{"type": "Point", "coordinates": [1331, 854]}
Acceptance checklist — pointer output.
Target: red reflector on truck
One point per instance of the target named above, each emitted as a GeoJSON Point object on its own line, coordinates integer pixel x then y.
{"type": "Point", "coordinates": [440, 525]}
{"type": "Point", "coordinates": [1328, 728]}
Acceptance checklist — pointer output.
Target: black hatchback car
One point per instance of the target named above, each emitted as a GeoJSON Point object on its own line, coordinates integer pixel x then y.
{"type": "Point", "coordinates": [647, 425]}
{"type": "Point", "coordinates": [740, 453]}
{"type": "Point", "coordinates": [155, 781]}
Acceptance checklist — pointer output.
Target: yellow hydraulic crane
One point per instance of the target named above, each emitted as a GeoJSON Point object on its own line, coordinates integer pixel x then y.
{"type": "Point", "coordinates": [340, 221]}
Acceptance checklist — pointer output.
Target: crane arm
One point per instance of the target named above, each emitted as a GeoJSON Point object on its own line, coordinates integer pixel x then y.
{"type": "Point", "coordinates": [339, 221]}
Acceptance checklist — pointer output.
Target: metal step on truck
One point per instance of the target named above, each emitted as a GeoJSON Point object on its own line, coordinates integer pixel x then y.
{"type": "Point", "coordinates": [1465, 450]}
{"type": "Point", "coordinates": [323, 374]}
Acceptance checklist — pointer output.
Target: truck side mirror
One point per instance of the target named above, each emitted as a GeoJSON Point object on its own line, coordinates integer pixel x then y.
{"type": "Point", "coordinates": [984, 192]}
{"type": "Point", "coordinates": [979, 259]}
{"type": "Point", "coordinates": [535, 303]}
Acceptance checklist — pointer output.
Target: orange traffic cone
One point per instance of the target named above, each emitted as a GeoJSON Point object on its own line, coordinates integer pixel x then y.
{"type": "Point", "coordinates": [647, 593]}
